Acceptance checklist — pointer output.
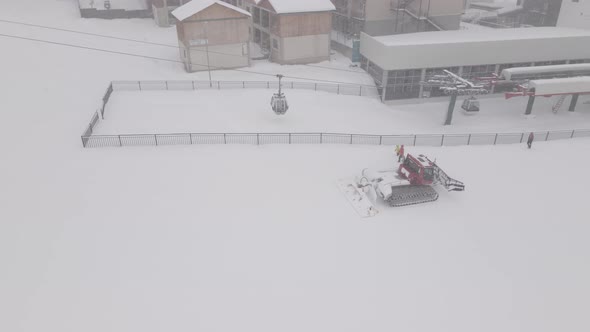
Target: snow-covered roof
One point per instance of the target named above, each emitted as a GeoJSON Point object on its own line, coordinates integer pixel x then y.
{"type": "Point", "coordinates": [471, 26]}
{"type": "Point", "coordinates": [301, 6]}
{"type": "Point", "coordinates": [486, 5]}
{"type": "Point", "coordinates": [518, 71]}
{"type": "Point", "coordinates": [475, 47]}
{"type": "Point", "coordinates": [508, 10]}
{"type": "Point", "coordinates": [459, 36]}
{"type": "Point", "coordinates": [561, 86]}
{"type": "Point", "coordinates": [191, 8]}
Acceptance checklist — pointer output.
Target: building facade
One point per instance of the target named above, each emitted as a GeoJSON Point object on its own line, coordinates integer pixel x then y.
{"type": "Point", "coordinates": [161, 10]}
{"type": "Point", "coordinates": [574, 14]}
{"type": "Point", "coordinates": [522, 13]}
{"type": "Point", "coordinates": [293, 32]}
{"type": "Point", "coordinates": [387, 17]}
{"type": "Point", "coordinates": [114, 9]}
{"type": "Point", "coordinates": [213, 35]}
{"type": "Point", "coordinates": [399, 63]}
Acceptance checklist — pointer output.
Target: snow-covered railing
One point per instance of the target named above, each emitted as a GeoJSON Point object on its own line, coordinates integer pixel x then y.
{"type": "Point", "coordinates": [90, 128]}
{"type": "Point", "coordinates": [343, 89]}
{"type": "Point", "coordinates": [90, 141]}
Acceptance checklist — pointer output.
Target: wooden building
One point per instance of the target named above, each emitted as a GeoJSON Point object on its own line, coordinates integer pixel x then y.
{"type": "Point", "coordinates": [293, 32]}
{"type": "Point", "coordinates": [213, 35]}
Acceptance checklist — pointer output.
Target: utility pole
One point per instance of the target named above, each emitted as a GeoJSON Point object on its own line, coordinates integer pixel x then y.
{"type": "Point", "coordinates": [207, 51]}
{"type": "Point", "coordinates": [451, 108]}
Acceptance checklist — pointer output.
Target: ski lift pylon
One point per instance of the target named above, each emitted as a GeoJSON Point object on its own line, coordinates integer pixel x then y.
{"type": "Point", "coordinates": [278, 102]}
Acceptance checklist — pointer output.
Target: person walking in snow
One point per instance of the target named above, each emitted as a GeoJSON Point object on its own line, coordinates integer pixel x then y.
{"type": "Point", "coordinates": [400, 155]}
{"type": "Point", "coordinates": [529, 141]}
{"type": "Point", "coordinates": [397, 150]}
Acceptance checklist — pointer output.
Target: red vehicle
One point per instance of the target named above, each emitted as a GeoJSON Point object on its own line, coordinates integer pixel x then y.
{"type": "Point", "coordinates": [419, 171]}
{"type": "Point", "coordinates": [412, 183]}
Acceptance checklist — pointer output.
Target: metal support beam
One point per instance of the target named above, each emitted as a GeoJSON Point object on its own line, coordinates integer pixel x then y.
{"type": "Point", "coordinates": [497, 72]}
{"type": "Point", "coordinates": [451, 109]}
{"type": "Point", "coordinates": [384, 79]}
{"type": "Point", "coordinates": [529, 105]}
{"type": "Point", "coordinates": [574, 102]}
{"type": "Point", "coordinates": [422, 79]}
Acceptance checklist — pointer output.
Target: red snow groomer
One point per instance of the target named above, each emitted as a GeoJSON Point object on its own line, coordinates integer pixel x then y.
{"type": "Point", "coordinates": [411, 183]}
{"type": "Point", "coordinates": [422, 174]}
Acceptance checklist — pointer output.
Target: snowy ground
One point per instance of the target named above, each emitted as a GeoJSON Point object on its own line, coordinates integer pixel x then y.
{"type": "Point", "coordinates": [249, 111]}
{"type": "Point", "coordinates": [260, 238]}
{"type": "Point", "coordinates": [228, 238]}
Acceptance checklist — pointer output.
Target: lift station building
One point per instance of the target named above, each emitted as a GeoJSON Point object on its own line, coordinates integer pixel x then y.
{"type": "Point", "coordinates": [398, 63]}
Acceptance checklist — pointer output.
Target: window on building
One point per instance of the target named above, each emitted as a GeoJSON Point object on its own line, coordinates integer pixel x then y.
{"type": "Point", "coordinates": [403, 84]}
{"type": "Point", "coordinates": [472, 72]}
{"type": "Point", "coordinates": [257, 36]}
{"type": "Point", "coordinates": [376, 72]}
{"type": "Point", "coordinates": [256, 15]}
{"type": "Point", "coordinates": [264, 19]}
{"type": "Point", "coordinates": [364, 62]}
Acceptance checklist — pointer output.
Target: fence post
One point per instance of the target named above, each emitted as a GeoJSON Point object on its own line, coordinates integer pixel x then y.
{"type": "Point", "coordinates": [338, 91]}
{"type": "Point", "coordinates": [193, 85]}
{"type": "Point", "coordinates": [350, 138]}
{"type": "Point", "coordinates": [257, 139]}
{"type": "Point", "coordinates": [573, 131]}
{"type": "Point", "coordinates": [83, 143]}
{"type": "Point", "coordinates": [218, 85]}
{"type": "Point", "coordinates": [190, 136]}
{"type": "Point", "coordinates": [380, 139]}
{"type": "Point", "coordinates": [360, 90]}
{"type": "Point", "coordinates": [547, 136]}
{"type": "Point", "coordinates": [156, 139]}
{"type": "Point", "coordinates": [289, 138]}
{"type": "Point", "coordinates": [469, 139]}
{"type": "Point", "coordinates": [139, 84]}
{"type": "Point", "coordinates": [321, 138]}
{"type": "Point", "coordinates": [415, 140]}
{"type": "Point", "coordinates": [442, 140]}
{"type": "Point", "coordinates": [224, 139]}
{"type": "Point", "coordinates": [292, 85]}
{"type": "Point", "coordinates": [166, 84]}
{"type": "Point", "coordinates": [243, 85]}
{"type": "Point", "coordinates": [120, 143]}
{"type": "Point", "coordinates": [495, 139]}
{"type": "Point", "coordinates": [521, 137]}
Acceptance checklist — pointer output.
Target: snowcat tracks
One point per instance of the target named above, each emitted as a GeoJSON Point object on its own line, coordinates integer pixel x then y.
{"type": "Point", "coordinates": [410, 195]}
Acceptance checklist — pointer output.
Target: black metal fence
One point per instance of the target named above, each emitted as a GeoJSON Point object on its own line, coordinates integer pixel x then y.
{"type": "Point", "coordinates": [91, 141]}
{"type": "Point", "coordinates": [105, 99]}
{"type": "Point", "coordinates": [89, 129]}
{"type": "Point", "coordinates": [342, 89]}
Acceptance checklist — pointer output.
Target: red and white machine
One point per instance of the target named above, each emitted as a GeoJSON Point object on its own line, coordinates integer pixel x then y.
{"type": "Point", "coordinates": [412, 183]}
